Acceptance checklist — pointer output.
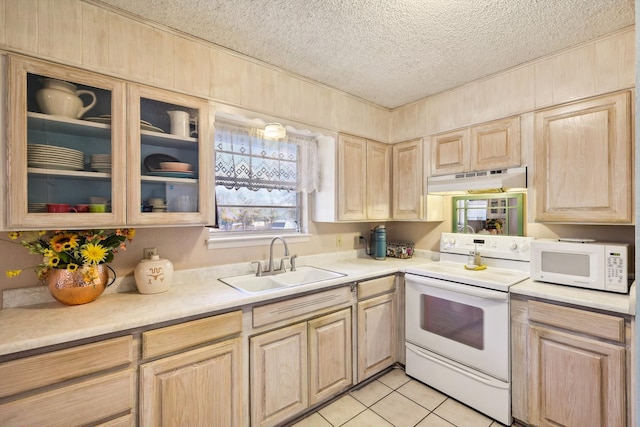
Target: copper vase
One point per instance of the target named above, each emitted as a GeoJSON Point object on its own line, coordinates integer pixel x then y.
{"type": "Point", "coordinates": [78, 287]}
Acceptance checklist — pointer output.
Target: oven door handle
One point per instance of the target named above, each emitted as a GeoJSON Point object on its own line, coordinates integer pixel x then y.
{"type": "Point", "coordinates": [455, 287]}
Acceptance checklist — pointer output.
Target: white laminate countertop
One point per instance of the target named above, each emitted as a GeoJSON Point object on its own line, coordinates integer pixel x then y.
{"type": "Point", "coordinates": [192, 293]}
{"type": "Point", "coordinates": [197, 292]}
{"type": "Point", "coordinates": [608, 301]}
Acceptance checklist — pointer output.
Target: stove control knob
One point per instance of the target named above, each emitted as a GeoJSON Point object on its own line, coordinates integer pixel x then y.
{"type": "Point", "coordinates": [451, 241]}
{"type": "Point", "coordinates": [524, 247]}
{"type": "Point", "coordinates": [513, 246]}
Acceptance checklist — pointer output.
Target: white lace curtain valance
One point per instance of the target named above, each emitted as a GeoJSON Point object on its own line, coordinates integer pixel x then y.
{"type": "Point", "coordinates": [244, 158]}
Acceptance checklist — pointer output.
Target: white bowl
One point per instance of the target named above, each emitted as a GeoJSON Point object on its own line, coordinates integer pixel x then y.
{"type": "Point", "coordinates": [176, 166]}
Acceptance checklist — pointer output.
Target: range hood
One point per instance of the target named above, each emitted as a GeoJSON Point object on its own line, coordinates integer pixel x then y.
{"type": "Point", "coordinates": [492, 181]}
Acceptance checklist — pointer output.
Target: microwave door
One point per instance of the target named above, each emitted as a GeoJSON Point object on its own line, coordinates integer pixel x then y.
{"type": "Point", "coordinates": [582, 267]}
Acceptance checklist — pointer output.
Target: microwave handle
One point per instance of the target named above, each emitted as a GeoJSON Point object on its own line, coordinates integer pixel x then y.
{"type": "Point", "coordinates": [454, 287]}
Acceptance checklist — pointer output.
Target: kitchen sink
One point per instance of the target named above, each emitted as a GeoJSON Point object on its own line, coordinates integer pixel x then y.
{"type": "Point", "coordinates": [302, 276]}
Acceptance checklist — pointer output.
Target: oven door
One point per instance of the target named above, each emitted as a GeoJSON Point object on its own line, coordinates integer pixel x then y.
{"type": "Point", "coordinates": [460, 322]}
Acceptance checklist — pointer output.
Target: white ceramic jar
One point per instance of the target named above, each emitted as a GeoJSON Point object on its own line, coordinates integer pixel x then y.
{"type": "Point", "coordinates": [153, 275]}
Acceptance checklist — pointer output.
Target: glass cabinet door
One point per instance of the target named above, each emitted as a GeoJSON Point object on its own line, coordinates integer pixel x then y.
{"type": "Point", "coordinates": [169, 158]}
{"type": "Point", "coordinates": [66, 141]}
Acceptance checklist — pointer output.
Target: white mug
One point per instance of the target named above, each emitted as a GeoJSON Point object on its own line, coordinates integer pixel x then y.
{"type": "Point", "coordinates": [179, 123]}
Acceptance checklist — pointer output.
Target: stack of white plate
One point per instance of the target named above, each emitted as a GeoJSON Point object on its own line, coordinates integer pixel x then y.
{"type": "Point", "coordinates": [101, 162]}
{"type": "Point", "coordinates": [37, 207]}
{"type": "Point", "coordinates": [54, 157]}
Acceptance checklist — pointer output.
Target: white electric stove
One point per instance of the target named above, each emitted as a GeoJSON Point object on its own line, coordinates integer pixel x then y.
{"type": "Point", "coordinates": [457, 319]}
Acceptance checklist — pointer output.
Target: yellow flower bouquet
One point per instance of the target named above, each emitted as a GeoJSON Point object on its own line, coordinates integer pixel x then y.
{"type": "Point", "coordinates": [71, 250]}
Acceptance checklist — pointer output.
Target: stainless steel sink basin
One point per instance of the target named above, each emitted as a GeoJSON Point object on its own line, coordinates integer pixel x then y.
{"type": "Point", "coordinates": [302, 276]}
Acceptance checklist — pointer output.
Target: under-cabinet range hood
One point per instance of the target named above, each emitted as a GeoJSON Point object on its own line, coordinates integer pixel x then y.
{"type": "Point", "coordinates": [492, 181]}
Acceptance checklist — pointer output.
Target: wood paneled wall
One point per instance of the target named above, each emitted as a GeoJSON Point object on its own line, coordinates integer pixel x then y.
{"type": "Point", "coordinates": [604, 65]}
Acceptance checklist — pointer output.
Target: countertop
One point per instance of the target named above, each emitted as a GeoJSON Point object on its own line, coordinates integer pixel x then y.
{"type": "Point", "coordinates": [608, 301]}
{"type": "Point", "coordinates": [198, 292]}
{"type": "Point", "coordinates": [193, 292]}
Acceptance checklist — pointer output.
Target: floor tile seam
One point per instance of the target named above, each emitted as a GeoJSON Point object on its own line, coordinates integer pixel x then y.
{"type": "Point", "coordinates": [420, 404]}
{"type": "Point", "coordinates": [325, 418]}
{"type": "Point", "coordinates": [462, 403]}
{"type": "Point", "coordinates": [396, 388]}
{"type": "Point", "coordinates": [369, 406]}
{"type": "Point", "coordinates": [321, 416]}
{"type": "Point", "coordinates": [390, 422]}
{"type": "Point", "coordinates": [365, 408]}
{"type": "Point", "coordinates": [422, 419]}
{"type": "Point", "coordinates": [381, 416]}
{"type": "Point", "coordinates": [439, 416]}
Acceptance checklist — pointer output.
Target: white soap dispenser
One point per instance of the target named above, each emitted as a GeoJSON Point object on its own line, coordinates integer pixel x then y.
{"type": "Point", "coordinates": [153, 275]}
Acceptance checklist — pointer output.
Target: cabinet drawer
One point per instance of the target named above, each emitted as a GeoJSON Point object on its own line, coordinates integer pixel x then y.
{"type": "Point", "coordinates": [37, 371]}
{"type": "Point", "coordinates": [188, 334]}
{"type": "Point", "coordinates": [381, 285]}
{"type": "Point", "coordinates": [586, 322]}
{"type": "Point", "coordinates": [78, 404]}
{"type": "Point", "coordinates": [125, 421]}
{"type": "Point", "coordinates": [293, 307]}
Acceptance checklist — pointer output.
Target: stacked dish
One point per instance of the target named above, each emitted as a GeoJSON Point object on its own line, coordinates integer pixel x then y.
{"type": "Point", "coordinates": [54, 157]}
{"type": "Point", "coordinates": [106, 119]}
{"type": "Point", "coordinates": [101, 162]}
{"type": "Point", "coordinates": [36, 207]}
{"type": "Point", "coordinates": [168, 166]}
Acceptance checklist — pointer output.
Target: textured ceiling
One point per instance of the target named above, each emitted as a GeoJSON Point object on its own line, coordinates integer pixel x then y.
{"type": "Point", "coordinates": [390, 52]}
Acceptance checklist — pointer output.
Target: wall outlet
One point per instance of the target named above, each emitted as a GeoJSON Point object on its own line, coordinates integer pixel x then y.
{"type": "Point", "coordinates": [338, 241]}
{"type": "Point", "coordinates": [147, 252]}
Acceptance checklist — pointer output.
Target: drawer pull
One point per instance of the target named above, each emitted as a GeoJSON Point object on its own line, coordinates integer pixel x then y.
{"type": "Point", "coordinates": [303, 304]}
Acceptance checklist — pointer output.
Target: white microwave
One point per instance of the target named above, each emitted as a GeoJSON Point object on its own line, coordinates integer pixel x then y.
{"type": "Point", "coordinates": [585, 264]}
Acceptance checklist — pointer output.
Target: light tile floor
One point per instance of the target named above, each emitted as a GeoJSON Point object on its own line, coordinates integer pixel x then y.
{"type": "Point", "coordinates": [396, 400]}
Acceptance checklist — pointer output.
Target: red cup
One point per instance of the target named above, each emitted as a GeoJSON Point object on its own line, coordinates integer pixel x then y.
{"type": "Point", "coordinates": [82, 208]}
{"type": "Point", "coordinates": [59, 208]}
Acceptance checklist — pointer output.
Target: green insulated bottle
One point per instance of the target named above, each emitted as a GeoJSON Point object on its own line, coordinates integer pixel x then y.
{"type": "Point", "coordinates": [379, 242]}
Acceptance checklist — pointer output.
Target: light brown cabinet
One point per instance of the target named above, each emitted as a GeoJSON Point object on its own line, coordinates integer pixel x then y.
{"type": "Point", "coordinates": [492, 145]}
{"type": "Point", "coordinates": [583, 161]}
{"type": "Point", "coordinates": [197, 387]}
{"type": "Point", "coordinates": [299, 365]}
{"type": "Point", "coordinates": [377, 326]}
{"type": "Point", "coordinates": [568, 365]}
{"type": "Point", "coordinates": [49, 154]}
{"type": "Point", "coordinates": [112, 152]}
{"type": "Point", "coordinates": [450, 152]}
{"type": "Point", "coordinates": [88, 384]}
{"type": "Point", "coordinates": [355, 180]}
{"type": "Point", "coordinates": [407, 180]}
{"type": "Point", "coordinates": [200, 386]}
{"type": "Point", "coordinates": [330, 356]}
{"type": "Point", "coordinates": [363, 179]}
{"type": "Point", "coordinates": [496, 144]}
{"type": "Point", "coordinates": [187, 194]}
{"type": "Point", "coordinates": [377, 180]}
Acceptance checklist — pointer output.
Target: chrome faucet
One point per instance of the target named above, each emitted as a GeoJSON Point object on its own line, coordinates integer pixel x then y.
{"type": "Point", "coordinates": [286, 252]}
{"type": "Point", "coordinates": [270, 269]}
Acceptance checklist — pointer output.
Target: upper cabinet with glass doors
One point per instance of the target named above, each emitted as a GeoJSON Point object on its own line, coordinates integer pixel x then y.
{"type": "Point", "coordinates": [83, 152]}
{"type": "Point", "coordinates": [169, 158]}
{"type": "Point", "coordinates": [66, 139]}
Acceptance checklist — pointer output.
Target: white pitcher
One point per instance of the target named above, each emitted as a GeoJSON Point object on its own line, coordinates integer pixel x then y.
{"type": "Point", "coordinates": [61, 98]}
{"type": "Point", "coordinates": [179, 123]}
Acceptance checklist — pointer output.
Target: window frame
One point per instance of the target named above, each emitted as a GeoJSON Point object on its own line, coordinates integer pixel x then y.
{"type": "Point", "coordinates": [218, 239]}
